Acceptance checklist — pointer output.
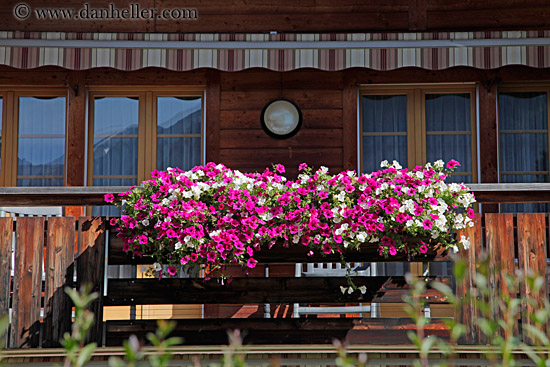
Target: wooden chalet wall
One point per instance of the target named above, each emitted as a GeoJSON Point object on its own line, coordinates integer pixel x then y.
{"type": "Point", "coordinates": [233, 103]}
{"type": "Point", "coordinates": [300, 15]}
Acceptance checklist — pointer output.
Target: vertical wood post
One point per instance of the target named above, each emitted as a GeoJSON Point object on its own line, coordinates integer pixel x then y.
{"type": "Point", "coordinates": [27, 283]}
{"type": "Point", "coordinates": [213, 116]}
{"type": "Point", "coordinates": [488, 136]}
{"type": "Point", "coordinates": [349, 121]}
{"type": "Point", "coordinates": [59, 274]}
{"type": "Point", "coordinates": [6, 235]}
{"type": "Point", "coordinates": [76, 134]}
{"type": "Point", "coordinates": [532, 258]}
{"type": "Point", "coordinates": [91, 267]}
{"type": "Point", "coordinates": [500, 247]}
{"type": "Point", "coordinates": [467, 312]}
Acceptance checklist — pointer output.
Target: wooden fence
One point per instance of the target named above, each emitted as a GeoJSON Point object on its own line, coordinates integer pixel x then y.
{"type": "Point", "coordinates": [50, 254]}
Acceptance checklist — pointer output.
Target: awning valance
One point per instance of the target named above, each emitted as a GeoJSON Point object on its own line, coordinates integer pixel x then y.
{"type": "Point", "coordinates": [278, 52]}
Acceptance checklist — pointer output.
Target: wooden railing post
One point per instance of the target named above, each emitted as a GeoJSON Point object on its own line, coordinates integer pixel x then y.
{"type": "Point", "coordinates": [467, 312]}
{"type": "Point", "coordinates": [59, 274]}
{"type": "Point", "coordinates": [6, 235]}
{"type": "Point", "coordinates": [532, 258]}
{"type": "Point", "coordinates": [91, 267]}
{"type": "Point", "coordinates": [27, 283]}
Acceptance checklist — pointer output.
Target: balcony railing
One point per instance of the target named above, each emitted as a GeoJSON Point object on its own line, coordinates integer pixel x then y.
{"type": "Point", "coordinates": [40, 256]}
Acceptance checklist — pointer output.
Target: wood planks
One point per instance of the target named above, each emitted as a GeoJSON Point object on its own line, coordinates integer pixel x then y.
{"type": "Point", "coordinates": [91, 267]}
{"type": "Point", "coordinates": [27, 283]}
{"type": "Point", "coordinates": [59, 274]}
{"type": "Point", "coordinates": [532, 260]}
{"type": "Point", "coordinates": [467, 312]}
{"type": "Point", "coordinates": [6, 235]}
{"type": "Point", "coordinates": [283, 331]}
{"type": "Point", "coordinates": [381, 289]}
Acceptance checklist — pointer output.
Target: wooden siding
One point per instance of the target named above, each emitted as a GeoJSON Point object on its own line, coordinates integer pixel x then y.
{"type": "Point", "coordinates": [233, 103]}
{"type": "Point", "coordinates": [298, 16]}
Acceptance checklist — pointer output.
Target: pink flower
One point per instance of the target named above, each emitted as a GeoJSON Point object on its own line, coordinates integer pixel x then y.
{"type": "Point", "coordinates": [113, 221]}
{"type": "Point", "coordinates": [251, 263]}
{"type": "Point", "coordinates": [423, 248]}
{"type": "Point", "coordinates": [471, 213]}
{"type": "Point", "coordinates": [427, 224]}
{"type": "Point", "coordinates": [327, 249]}
{"type": "Point", "coordinates": [109, 197]}
{"type": "Point", "coordinates": [143, 239]}
{"type": "Point", "coordinates": [211, 256]}
{"type": "Point", "coordinates": [302, 166]}
{"type": "Point", "coordinates": [452, 164]}
{"type": "Point", "coordinates": [280, 168]}
{"type": "Point", "coordinates": [172, 270]}
{"type": "Point", "coordinates": [387, 241]}
{"type": "Point", "coordinates": [393, 251]}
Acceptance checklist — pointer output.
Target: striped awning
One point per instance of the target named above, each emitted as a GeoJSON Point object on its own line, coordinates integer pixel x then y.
{"type": "Point", "coordinates": [279, 52]}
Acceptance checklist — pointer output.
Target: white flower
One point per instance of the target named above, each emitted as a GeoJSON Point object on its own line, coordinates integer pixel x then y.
{"type": "Point", "coordinates": [384, 164]}
{"type": "Point", "coordinates": [439, 163]}
{"type": "Point", "coordinates": [363, 289]}
{"type": "Point", "coordinates": [465, 242]}
{"type": "Point", "coordinates": [396, 165]}
{"type": "Point", "coordinates": [341, 196]}
{"type": "Point", "coordinates": [178, 245]}
{"type": "Point", "coordinates": [343, 290]}
{"type": "Point", "coordinates": [361, 236]}
{"type": "Point", "coordinates": [295, 238]}
{"type": "Point", "coordinates": [323, 169]}
{"type": "Point", "coordinates": [455, 249]}
{"type": "Point", "coordinates": [157, 267]}
{"type": "Point", "coordinates": [145, 222]}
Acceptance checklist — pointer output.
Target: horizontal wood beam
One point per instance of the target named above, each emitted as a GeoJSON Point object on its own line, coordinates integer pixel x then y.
{"type": "Point", "coordinates": [93, 195]}
{"type": "Point", "coordinates": [380, 289]}
{"type": "Point", "coordinates": [381, 331]}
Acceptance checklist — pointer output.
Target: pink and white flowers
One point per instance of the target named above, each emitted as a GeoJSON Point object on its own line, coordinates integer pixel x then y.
{"type": "Point", "coordinates": [216, 216]}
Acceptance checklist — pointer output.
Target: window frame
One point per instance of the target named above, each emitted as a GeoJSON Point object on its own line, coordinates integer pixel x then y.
{"type": "Point", "coordinates": [147, 121]}
{"type": "Point", "coordinates": [519, 87]}
{"type": "Point", "coordinates": [10, 127]}
{"type": "Point", "coordinates": [416, 117]}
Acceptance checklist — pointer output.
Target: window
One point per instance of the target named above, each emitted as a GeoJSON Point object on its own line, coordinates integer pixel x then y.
{"type": "Point", "coordinates": [33, 126]}
{"type": "Point", "coordinates": [135, 131]}
{"type": "Point", "coordinates": [523, 139]}
{"type": "Point", "coordinates": [419, 124]}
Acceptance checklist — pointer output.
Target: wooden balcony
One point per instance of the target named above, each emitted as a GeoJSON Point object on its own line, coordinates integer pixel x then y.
{"type": "Point", "coordinates": [51, 253]}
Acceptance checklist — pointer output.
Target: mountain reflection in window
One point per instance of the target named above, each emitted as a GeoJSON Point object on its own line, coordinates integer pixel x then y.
{"type": "Point", "coordinates": [115, 144]}
{"type": "Point", "coordinates": [178, 132]}
{"type": "Point", "coordinates": [41, 141]}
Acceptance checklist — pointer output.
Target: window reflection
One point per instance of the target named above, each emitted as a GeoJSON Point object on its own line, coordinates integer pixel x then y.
{"type": "Point", "coordinates": [115, 144]}
{"type": "Point", "coordinates": [41, 141]}
{"type": "Point", "coordinates": [179, 122]}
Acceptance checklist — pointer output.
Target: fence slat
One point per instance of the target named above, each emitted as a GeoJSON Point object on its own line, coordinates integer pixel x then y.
{"type": "Point", "coordinates": [532, 257]}
{"type": "Point", "coordinates": [91, 266]}
{"type": "Point", "coordinates": [500, 247]}
{"type": "Point", "coordinates": [27, 283]}
{"type": "Point", "coordinates": [467, 313]}
{"type": "Point", "coordinates": [6, 235]}
{"type": "Point", "coordinates": [59, 274]}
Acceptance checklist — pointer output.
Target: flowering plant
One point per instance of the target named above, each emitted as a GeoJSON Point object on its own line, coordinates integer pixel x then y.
{"type": "Point", "coordinates": [216, 216]}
